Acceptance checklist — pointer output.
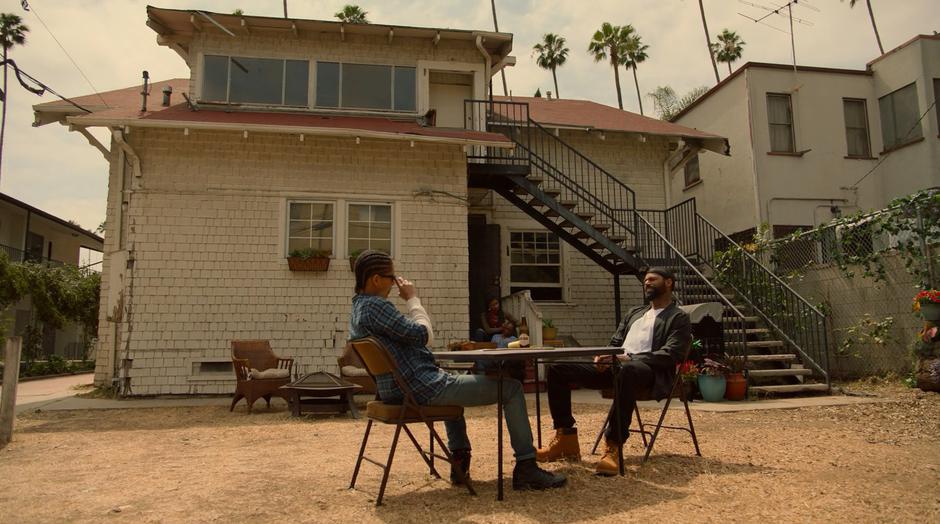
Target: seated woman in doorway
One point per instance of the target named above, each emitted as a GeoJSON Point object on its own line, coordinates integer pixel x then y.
{"type": "Point", "coordinates": [492, 321]}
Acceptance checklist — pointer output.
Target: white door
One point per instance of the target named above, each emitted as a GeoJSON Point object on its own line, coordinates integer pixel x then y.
{"type": "Point", "coordinates": [447, 92]}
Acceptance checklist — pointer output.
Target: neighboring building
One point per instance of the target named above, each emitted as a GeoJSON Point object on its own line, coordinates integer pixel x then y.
{"type": "Point", "coordinates": [31, 234]}
{"type": "Point", "coordinates": [814, 143]}
{"type": "Point", "coordinates": [339, 137]}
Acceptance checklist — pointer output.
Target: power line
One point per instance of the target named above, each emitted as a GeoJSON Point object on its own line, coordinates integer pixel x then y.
{"type": "Point", "coordinates": [885, 157]}
{"type": "Point", "coordinates": [64, 50]}
{"type": "Point", "coordinates": [37, 91]}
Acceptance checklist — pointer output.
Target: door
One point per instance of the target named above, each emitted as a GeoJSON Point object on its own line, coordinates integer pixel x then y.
{"type": "Point", "coordinates": [484, 271]}
{"type": "Point", "coordinates": [447, 92]}
{"type": "Point", "coordinates": [34, 246]}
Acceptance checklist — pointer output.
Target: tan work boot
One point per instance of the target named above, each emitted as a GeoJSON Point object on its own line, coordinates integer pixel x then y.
{"type": "Point", "coordinates": [564, 446]}
{"type": "Point", "coordinates": [609, 464]}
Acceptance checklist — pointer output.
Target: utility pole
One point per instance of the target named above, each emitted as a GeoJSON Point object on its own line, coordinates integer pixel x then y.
{"type": "Point", "coordinates": [285, 8]}
{"type": "Point", "coordinates": [502, 71]}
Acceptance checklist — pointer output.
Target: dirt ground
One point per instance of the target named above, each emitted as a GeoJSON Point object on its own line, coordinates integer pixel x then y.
{"type": "Point", "coordinates": [862, 463]}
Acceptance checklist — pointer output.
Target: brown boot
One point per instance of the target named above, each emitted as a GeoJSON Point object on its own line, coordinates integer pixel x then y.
{"type": "Point", "coordinates": [609, 464]}
{"type": "Point", "coordinates": [564, 446]}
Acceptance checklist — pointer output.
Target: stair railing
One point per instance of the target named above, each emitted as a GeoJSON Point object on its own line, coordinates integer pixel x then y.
{"type": "Point", "coordinates": [798, 322]}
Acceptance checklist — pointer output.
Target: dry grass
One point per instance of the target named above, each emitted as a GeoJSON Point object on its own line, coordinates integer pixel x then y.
{"type": "Point", "coordinates": [872, 462]}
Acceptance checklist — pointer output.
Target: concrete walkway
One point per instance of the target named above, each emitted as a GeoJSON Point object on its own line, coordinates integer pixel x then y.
{"type": "Point", "coordinates": [58, 394]}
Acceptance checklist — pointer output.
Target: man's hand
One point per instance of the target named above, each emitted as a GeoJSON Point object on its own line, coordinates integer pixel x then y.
{"type": "Point", "coordinates": [406, 289]}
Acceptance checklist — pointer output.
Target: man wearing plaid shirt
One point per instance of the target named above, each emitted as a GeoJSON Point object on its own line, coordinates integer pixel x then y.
{"type": "Point", "coordinates": [407, 339]}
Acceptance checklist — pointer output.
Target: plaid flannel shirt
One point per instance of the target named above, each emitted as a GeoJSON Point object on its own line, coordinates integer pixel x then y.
{"type": "Point", "coordinates": [405, 339]}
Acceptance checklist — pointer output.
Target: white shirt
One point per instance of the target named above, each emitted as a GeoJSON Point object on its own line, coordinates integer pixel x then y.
{"type": "Point", "coordinates": [640, 337]}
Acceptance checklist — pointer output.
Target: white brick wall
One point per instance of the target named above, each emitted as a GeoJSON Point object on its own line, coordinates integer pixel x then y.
{"type": "Point", "coordinates": [588, 310]}
{"type": "Point", "coordinates": [207, 227]}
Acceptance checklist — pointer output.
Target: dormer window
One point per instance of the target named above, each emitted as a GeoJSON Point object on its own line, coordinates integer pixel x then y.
{"type": "Point", "coordinates": [365, 86]}
{"type": "Point", "coordinates": [242, 80]}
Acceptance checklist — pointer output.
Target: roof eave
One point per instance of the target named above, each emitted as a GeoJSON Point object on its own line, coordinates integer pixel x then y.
{"type": "Point", "coordinates": [93, 121]}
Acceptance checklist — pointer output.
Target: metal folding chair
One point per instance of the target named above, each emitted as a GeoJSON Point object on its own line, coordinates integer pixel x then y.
{"type": "Point", "coordinates": [378, 361]}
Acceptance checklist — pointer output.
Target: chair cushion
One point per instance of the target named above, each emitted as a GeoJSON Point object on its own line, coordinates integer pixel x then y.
{"type": "Point", "coordinates": [269, 373]}
{"type": "Point", "coordinates": [389, 413]}
{"type": "Point", "coordinates": [353, 371]}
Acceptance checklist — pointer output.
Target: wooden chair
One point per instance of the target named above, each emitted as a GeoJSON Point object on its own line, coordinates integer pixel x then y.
{"type": "Point", "coordinates": [378, 362]}
{"type": "Point", "coordinates": [257, 354]}
{"type": "Point", "coordinates": [677, 391]}
{"type": "Point", "coordinates": [351, 369]}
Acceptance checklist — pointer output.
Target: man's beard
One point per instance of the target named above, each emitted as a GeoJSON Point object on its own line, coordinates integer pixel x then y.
{"type": "Point", "coordinates": [653, 292]}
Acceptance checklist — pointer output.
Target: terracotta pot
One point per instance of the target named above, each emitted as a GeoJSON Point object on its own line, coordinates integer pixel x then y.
{"type": "Point", "coordinates": [308, 264]}
{"type": "Point", "coordinates": [549, 333]}
{"type": "Point", "coordinates": [736, 388]}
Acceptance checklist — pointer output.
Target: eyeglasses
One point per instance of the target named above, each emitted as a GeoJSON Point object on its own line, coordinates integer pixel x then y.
{"type": "Point", "coordinates": [393, 277]}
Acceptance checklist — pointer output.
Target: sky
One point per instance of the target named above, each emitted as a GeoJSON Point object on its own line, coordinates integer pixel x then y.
{"type": "Point", "coordinates": [59, 172]}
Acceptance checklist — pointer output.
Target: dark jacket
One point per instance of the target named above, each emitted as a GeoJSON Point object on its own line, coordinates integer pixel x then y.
{"type": "Point", "coordinates": [672, 337]}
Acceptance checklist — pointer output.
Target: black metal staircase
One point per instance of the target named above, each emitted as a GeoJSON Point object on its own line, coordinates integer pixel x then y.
{"type": "Point", "coordinates": [595, 213]}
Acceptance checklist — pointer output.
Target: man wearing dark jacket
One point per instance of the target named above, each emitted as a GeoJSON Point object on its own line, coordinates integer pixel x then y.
{"type": "Point", "coordinates": [655, 337]}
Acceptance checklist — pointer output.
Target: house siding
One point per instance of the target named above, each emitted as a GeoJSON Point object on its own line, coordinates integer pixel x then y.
{"type": "Point", "coordinates": [206, 226]}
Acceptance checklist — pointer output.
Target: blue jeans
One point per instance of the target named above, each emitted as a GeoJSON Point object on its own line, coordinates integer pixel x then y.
{"type": "Point", "coordinates": [480, 390]}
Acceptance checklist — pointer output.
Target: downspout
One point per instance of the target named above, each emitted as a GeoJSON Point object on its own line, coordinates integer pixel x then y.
{"type": "Point", "coordinates": [488, 61]}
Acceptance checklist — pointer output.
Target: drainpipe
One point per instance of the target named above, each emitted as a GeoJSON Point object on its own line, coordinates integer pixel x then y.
{"type": "Point", "coordinates": [488, 60]}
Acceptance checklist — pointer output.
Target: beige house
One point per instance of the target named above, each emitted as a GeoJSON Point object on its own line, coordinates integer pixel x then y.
{"type": "Point", "coordinates": [293, 134]}
{"type": "Point", "coordinates": [812, 143]}
{"type": "Point", "coordinates": [31, 234]}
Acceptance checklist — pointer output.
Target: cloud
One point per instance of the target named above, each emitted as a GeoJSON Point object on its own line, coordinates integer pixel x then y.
{"type": "Point", "coordinates": [59, 172]}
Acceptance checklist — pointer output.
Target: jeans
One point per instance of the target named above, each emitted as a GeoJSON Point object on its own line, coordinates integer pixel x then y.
{"type": "Point", "coordinates": [480, 390]}
{"type": "Point", "coordinates": [636, 380]}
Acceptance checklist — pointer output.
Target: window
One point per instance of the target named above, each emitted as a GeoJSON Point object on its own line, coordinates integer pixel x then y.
{"type": "Point", "coordinates": [369, 226]}
{"type": "Point", "coordinates": [856, 128]}
{"type": "Point", "coordinates": [899, 116]}
{"type": "Point", "coordinates": [255, 80]}
{"type": "Point", "coordinates": [780, 117]}
{"type": "Point", "coordinates": [366, 86]}
{"type": "Point", "coordinates": [691, 171]}
{"type": "Point", "coordinates": [535, 264]}
{"type": "Point", "coordinates": [310, 226]}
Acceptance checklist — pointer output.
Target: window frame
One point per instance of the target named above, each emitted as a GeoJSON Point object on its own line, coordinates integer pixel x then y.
{"type": "Point", "coordinates": [228, 80]}
{"type": "Point", "coordinates": [529, 285]}
{"type": "Point", "coordinates": [790, 124]}
{"type": "Point", "coordinates": [391, 223]}
{"type": "Point", "coordinates": [339, 100]}
{"type": "Point", "coordinates": [864, 103]}
{"type": "Point", "coordinates": [287, 221]}
{"type": "Point", "coordinates": [899, 142]}
{"type": "Point", "coordinates": [698, 171]}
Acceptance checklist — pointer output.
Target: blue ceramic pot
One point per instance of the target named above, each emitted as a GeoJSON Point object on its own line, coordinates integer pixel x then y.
{"type": "Point", "coordinates": [712, 388]}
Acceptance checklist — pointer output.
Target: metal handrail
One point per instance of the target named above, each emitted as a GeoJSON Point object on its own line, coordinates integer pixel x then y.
{"type": "Point", "coordinates": [742, 322]}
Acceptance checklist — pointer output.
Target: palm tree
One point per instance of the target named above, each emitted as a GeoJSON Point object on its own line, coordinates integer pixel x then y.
{"type": "Point", "coordinates": [708, 41]}
{"type": "Point", "coordinates": [352, 14]}
{"type": "Point", "coordinates": [636, 54]}
{"type": "Point", "coordinates": [552, 54]}
{"type": "Point", "coordinates": [728, 48]}
{"type": "Point", "coordinates": [609, 43]}
{"type": "Point", "coordinates": [874, 26]}
{"type": "Point", "coordinates": [12, 32]}
{"type": "Point", "coordinates": [667, 104]}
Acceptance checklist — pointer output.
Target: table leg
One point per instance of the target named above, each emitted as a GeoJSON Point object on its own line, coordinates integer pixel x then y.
{"type": "Point", "coordinates": [295, 404]}
{"type": "Point", "coordinates": [615, 369]}
{"type": "Point", "coordinates": [499, 431]}
{"type": "Point", "coordinates": [538, 404]}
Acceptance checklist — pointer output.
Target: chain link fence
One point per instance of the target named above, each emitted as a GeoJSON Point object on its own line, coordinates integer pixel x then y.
{"type": "Point", "coordinates": [864, 271]}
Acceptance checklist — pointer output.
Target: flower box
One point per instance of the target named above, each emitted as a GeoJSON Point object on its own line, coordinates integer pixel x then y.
{"type": "Point", "coordinates": [308, 264]}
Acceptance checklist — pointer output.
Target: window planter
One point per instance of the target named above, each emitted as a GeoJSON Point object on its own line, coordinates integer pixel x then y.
{"type": "Point", "coordinates": [308, 264]}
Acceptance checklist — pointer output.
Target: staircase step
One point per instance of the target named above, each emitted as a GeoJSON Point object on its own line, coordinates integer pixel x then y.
{"type": "Point", "coordinates": [536, 203]}
{"type": "Point", "coordinates": [777, 357]}
{"type": "Point", "coordinates": [552, 192]}
{"type": "Point", "coordinates": [749, 331]}
{"type": "Point", "coordinates": [535, 179]}
{"type": "Point", "coordinates": [766, 344]}
{"type": "Point", "coordinates": [601, 226]}
{"type": "Point", "coordinates": [735, 320]}
{"type": "Point", "coordinates": [786, 372]}
{"type": "Point", "coordinates": [790, 388]}
{"type": "Point", "coordinates": [519, 190]}
{"type": "Point", "coordinates": [570, 204]}
{"type": "Point", "coordinates": [583, 215]}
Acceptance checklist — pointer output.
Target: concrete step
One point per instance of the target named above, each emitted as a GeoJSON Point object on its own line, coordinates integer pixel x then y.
{"type": "Point", "coordinates": [777, 357]}
{"type": "Point", "coordinates": [786, 372]}
{"type": "Point", "coordinates": [790, 388]}
{"type": "Point", "coordinates": [749, 331]}
{"type": "Point", "coordinates": [734, 320]}
{"type": "Point", "coordinates": [765, 344]}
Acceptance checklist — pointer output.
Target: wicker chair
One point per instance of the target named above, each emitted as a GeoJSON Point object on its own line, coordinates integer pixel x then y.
{"type": "Point", "coordinates": [248, 355]}
{"type": "Point", "coordinates": [351, 369]}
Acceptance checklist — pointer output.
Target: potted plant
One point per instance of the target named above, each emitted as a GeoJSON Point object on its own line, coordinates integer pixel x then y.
{"type": "Point", "coordinates": [353, 255]}
{"type": "Point", "coordinates": [711, 380]}
{"type": "Point", "coordinates": [689, 373]}
{"type": "Point", "coordinates": [927, 303]}
{"type": "Point", "coordinates": [736, 381]}
{"type": "Point", "coordinates": [308, 259]}
{"type": "Point", "coordinates": [549, 331]}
